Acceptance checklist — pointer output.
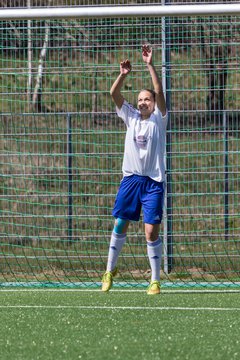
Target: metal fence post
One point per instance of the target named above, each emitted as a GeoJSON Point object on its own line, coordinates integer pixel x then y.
{"type": "Point", "coordinates": [69, 172]}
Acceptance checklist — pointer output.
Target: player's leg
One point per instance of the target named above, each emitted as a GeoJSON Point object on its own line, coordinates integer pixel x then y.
{"type": "Point", "coordinates": [152, 201]}
{"type": "Point", "coordinates": [117, 241]}
{"type": "Point", "coordinates": [127, 207]}
{"type": "Point", "coordinates": [154, 251]}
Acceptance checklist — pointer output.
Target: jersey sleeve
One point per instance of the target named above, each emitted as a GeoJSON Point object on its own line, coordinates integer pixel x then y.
{"type": "Point", "coordinates": [163, 120]}
{"type": "Point", "coordinates": [127, 112]}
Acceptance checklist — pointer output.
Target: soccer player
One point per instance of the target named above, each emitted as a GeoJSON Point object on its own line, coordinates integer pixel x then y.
{"type": "Point", "coordinates": [143, 183]}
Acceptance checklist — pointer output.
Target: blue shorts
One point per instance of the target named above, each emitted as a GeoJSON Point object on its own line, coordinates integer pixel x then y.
{"type": "Point", "coordinates": [136, 193]}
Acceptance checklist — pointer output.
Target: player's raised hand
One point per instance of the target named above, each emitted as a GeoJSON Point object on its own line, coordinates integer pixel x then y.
{"type": "Point", "coordinates": [125, 67]}
{"type": "Point", "coordinates": [147, 54]}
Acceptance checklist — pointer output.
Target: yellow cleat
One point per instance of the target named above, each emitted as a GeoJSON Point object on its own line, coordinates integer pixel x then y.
{"type": "Point", "coordinates": [154, 288]}
{"type": "Point", "coordinates": [107, 279]}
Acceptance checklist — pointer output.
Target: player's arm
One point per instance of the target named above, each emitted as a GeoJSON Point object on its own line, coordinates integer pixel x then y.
{"type": "Point", "coordinates": [157, 84]}
{"type": "Point", "coordinates": [115, 92]}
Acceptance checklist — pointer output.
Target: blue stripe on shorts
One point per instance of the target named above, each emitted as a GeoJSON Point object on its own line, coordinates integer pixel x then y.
{"type": "Point", "coordinates": [136, 193]}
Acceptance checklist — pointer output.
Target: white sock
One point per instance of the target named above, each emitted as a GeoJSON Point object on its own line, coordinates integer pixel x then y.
{"type": "Point", "coordinates": [154, 250]}
{"type": "Point", "coordinates": [115, 247]}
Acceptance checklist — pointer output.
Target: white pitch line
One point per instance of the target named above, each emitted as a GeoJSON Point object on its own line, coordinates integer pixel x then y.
{"type": "Point", "coordinates": [163, 291]}
{"type": "Point", "coordinates": [168, 308]}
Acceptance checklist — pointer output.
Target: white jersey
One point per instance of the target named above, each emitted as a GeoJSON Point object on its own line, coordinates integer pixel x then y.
{"type": "Point", "coordinates": [144, 143]}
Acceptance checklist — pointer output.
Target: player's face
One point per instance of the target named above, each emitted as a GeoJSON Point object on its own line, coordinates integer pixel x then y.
{"type": "Point", "coordinates": [146, 103]}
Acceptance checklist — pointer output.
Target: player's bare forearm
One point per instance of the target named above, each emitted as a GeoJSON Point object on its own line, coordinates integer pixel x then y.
{"type": "Point", "coordinates": [157, 83]}
{"type": "Point", "coordinates": [115, 91]}
{"type": "Point", "coordinates": [157, 86]}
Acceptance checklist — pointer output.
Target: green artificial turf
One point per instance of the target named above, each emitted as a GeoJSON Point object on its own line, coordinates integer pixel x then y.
{"type": "Point", "coordinates": [43, 324]}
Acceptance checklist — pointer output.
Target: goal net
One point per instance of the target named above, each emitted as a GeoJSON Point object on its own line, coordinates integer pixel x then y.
{"type": "Point", "coordinates": [61, 148]}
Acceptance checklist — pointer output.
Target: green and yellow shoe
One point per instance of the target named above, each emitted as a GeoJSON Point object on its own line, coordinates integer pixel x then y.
{"type": "Point", "coordinates": [107, 279]}
{"type": "Point", "coordinates": [154, 288]}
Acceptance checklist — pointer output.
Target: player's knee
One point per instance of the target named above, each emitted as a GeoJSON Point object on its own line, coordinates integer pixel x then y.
{"type": "Point", "coordinates": [120, 226]}
{"type": "Point", "coordinates": [151, 232]}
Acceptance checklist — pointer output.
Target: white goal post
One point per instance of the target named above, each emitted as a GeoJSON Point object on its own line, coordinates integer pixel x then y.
{"type": "Point", "coordinates": [85, 12]}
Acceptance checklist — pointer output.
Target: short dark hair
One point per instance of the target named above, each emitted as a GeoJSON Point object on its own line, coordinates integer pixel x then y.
{"type": "Point", "coordinates": [151, 91]}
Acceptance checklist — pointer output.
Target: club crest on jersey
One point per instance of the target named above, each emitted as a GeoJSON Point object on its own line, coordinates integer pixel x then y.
{"type": "Point", "coordinates": [141, 141]}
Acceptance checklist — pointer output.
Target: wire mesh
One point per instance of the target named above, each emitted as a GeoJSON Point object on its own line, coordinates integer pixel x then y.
{"type": "Point", "coordinates": [61, 146]}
